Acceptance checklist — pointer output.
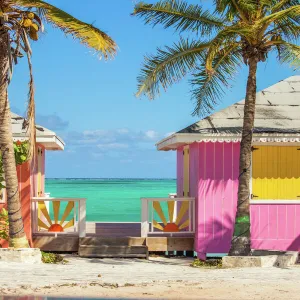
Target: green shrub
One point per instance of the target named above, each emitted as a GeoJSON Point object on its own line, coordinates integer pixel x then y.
{"type": "Point", "coordinates": [52, 258]}
{"type": "Point", "coordinates": [214, 263]}
{"type": "Point", "coordinates": [3, 224]}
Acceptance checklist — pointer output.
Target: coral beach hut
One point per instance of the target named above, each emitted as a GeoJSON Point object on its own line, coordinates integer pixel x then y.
{"type": "Point", "coordinates": [208, 170]}
{"type": "Point", "coordinates": [31, 176]}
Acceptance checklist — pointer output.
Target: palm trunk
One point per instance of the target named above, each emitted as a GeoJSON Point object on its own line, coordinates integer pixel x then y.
{"type": "Point", "coordinates": [17, 237]}
{"type": "Point", "coordinates": [241, 241]}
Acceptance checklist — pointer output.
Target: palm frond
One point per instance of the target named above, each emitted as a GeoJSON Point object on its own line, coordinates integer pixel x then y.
{"type": "Point", "coordinates": [208, 89]}
{"type": "Point", "coordinates": [285, 15]}
{"type": "Point", "coordinates": [283, 4]}
{"type": "Point", "coordinates": [224, 38]}
{"type": "Point", "coordinates": [168, 66]}
{"type": "Point", "coordinates": [180, 15]}
{"type": "Point", "coordinates": [29, 122]}
{"type": "Point", "coordinates": [287, 30]}
{"type": "Point", "coordinates": [87, 34]}
{"type": "Point", "coordinates": [289, 54]}
{"type": "Point", "coordinates": [232, 9]}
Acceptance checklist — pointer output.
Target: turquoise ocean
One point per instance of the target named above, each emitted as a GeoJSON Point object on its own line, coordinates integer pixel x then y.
{"type": "Point", "coordinates": [111, 200]}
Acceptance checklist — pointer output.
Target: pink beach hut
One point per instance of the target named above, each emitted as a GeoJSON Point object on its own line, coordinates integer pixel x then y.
{"type": "Point", "coordinates": [208, 170]}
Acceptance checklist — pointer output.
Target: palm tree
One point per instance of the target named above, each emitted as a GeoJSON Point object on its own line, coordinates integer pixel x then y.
{"type": "Point", "coordinates": [20, 22]}
{"type": "Point", "coordinates": [237, 32]}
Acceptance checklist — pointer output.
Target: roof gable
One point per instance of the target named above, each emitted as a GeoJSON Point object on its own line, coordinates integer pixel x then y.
{"type": "Point", "coordinates": [277, 114]}
{"type": "Point", "coordinates": [43, 135]}
{"type": "Point", "coordinates": [277, 110]}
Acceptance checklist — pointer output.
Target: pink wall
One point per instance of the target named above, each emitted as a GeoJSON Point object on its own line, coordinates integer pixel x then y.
{"type": "Point", "coordinates": [217, 196]}
{"type": "Point", "coordinates": [275, 226]}
{"type": "Point", "coordinates": [214, 175]}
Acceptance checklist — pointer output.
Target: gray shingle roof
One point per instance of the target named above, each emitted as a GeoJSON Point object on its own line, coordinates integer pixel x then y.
{"type": "Point", "coordinates": [277, 111]}
{"type": "Point", "coordinates": [43, 135]}
{"type": "Point", "coordinates": [277, 119]}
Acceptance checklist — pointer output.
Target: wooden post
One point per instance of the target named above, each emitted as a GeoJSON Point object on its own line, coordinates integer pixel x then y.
{"type": "Point", "coordinates": [34, 216]}
{"type": "Point", "coordinates": [144, 218]}
{"type": "Point", "coordinates": [82, 218]}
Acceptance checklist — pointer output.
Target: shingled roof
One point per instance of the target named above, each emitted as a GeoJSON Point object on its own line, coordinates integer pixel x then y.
{"type": "Point", "coordinates": [277, 114]}
{"type": "Point", "coordinates": [44, 136]}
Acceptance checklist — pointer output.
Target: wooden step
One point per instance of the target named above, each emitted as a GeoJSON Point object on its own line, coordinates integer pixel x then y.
{"type": "Point", "coordinates": [62, 243]}
{"type": "Point", "coordinates": [103, 251]}
{"type": "Point", "coordinates": [112, 241]}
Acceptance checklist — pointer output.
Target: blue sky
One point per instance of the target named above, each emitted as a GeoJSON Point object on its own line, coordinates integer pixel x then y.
{"type": "Point", "coordinates": [90, 103]}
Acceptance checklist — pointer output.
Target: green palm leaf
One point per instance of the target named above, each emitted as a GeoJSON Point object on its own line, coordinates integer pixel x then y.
{"type": "Point", "coordinates": [251, 28]}
{"type": "Point", "coordinates": [208, 89]}
{"type": "Point", "coordinates": [168, 66]}
{"type": "Point", "coordinates": [289, 54]}
{"type": "Point", "coordinates": [87, 34]}
{"type": "Point", "coordinates": [290, 13]}
{"type": "Point", "coordinates": [180, 15]}
{"type": "Point", "coordinates": [284, 4]}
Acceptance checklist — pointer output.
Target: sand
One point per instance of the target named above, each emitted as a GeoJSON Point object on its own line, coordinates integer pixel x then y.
{"type": "Point", "coordinates": [158, 278]}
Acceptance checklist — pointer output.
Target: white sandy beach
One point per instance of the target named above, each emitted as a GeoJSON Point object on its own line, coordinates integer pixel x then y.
{"type": "Point", "coordinates": [158, 278]}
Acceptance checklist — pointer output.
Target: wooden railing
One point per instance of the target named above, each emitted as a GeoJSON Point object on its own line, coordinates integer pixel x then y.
{"type": "Point", "coordinates": [167, 216]}
{"type": "Point", "coordinates": [55, 216]}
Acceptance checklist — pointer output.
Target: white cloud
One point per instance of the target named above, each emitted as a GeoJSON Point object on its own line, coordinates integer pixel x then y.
{"type": "Point", "coordinates": [151, 134]}
{"type": "Point", "coordinates": [52, 122]}
{"type": "Point", "coordinates": [115, 146]}
{"type": "Point", "coordinates": [122, 130]}
{"type": "Point", "coordinates": [121, 143]}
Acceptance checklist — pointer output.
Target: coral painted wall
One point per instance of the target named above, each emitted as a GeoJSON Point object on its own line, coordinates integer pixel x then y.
{"type": "Point", "coordinates": [23, 172]}
{"type": "Point", "coordinates": [29, 184]}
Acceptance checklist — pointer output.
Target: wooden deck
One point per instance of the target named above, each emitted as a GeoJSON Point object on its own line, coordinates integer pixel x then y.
{"type": "Point", "coordinates": [112, 233]}
{"type": "Point", "coordinates": [113, 229]}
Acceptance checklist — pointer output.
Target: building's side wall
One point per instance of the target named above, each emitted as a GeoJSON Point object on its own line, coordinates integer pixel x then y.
{"type": "Point", "coordinates": [275, 226]}
{"type": "Point", "coordinates": [217, 196]}
{"type": "Point", "coordinates": [214, 171]}
{"type": "Point", "coordinates": [23, 172]}
{"type": "Point", "coordinates": [194, 176]}
{"type": "Point", "coordinates": [276, 172]}
{"type": "Point", "coordinates": [25, 195]}
{"type": "Point", "coordinates": [38, 173]}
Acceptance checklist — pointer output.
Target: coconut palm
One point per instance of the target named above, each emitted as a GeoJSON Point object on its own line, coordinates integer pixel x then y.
{"type": "Point", "coordinates": [236, 32]}
{"type": "Point", "coordinates": [21, 21]}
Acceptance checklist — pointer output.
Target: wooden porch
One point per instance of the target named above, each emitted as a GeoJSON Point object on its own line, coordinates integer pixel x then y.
{"type": "Point", "coordinates": [114, 239]}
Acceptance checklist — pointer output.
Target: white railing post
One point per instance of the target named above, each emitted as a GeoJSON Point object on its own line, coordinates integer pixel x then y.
{"type": "Point", "coordinates": [82, 218]}
{"type": "Point", "coordinates": [34, 217]}
{"type": "Point", "coordinates": [144, 217]}
{"type": "Point", "coordinates": [175, 211]}
{"type": "Point", "coordinates": [152, 215]}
